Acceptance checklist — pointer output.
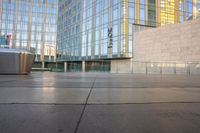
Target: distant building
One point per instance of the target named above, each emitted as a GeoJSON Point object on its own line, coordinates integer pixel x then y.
{"type": "Point", "coordinates": [31, 24]}
{"type": "Point", "coordinates": [94, 33]}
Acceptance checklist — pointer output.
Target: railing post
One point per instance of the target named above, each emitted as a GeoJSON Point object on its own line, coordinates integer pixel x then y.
{"type": "Point", "coordinates": [83, 66]}
{"type": "Point", "coordinates": [65, 66]}
{"type": "Point", "coordinates": [146, 68]}
{"type": "Point", "coordinates": [43, 64]}
{"type": "Point", "coordinates": [161, 69]}
{"type": "Point", "coordinates": [174, 68]}
{"type": "Point", "coordinates": [188, 68]}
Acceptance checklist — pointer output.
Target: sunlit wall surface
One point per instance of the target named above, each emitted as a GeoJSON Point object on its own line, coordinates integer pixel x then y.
{"type": "Point", "coordinates": [167, 11]}
{"type": "Point", "coordinates": [175, 11]}
{"type": "Point", "coordinates": [103, 29]}
{"type": "Point", "coordinates": [31, 24]}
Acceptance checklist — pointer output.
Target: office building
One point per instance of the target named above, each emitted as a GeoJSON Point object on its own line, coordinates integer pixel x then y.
{"type": "Point", "coordinates": [94, 33]}
{"type": "Point", "coordinates": [31, 25]}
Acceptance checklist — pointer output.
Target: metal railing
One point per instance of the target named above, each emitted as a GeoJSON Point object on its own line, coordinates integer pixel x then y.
{"type": "Point", "coordinates": [186, 68]}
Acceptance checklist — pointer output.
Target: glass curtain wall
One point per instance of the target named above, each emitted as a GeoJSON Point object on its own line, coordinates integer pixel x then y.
{"type": "Point", "coordinates": [198, 4]}
{"type": "Point", "coordinates": [95, 29]}
{"type": "Point", "coordinates": [167, 11]}
{"type": "Point", "coordinates": [103, 29]}
{"type": "Point", "coordinates": [31, 25]}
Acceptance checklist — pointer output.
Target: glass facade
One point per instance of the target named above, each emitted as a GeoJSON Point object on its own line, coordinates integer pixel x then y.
{"type": "Point", "coordinates": [198, 5]}
{"type": "Point", "coordinates": [103, 29]}
{"type": "Point", "coordinates": [167, 11]}
{"type": "Point", "coordinates": [31, 25]}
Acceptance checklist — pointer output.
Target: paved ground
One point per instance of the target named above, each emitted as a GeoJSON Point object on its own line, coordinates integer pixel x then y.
{"type": "Point", "coordinates": [45, 102]}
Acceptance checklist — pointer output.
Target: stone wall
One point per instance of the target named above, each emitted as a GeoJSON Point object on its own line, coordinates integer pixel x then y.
{"type": "Point", "coordinates": [173, 43]}
{"type": "Point", "coordinates": [173, 49]}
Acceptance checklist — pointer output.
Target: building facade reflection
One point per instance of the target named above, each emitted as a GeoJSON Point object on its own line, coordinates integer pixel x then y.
{"type": "Point", "coordinates": [31, 25]}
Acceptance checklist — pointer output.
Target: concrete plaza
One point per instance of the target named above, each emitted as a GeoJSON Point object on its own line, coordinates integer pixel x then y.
{"type": "Point", "coordinates": [47, 102]}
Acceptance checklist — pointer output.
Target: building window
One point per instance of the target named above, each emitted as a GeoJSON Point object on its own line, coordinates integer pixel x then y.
{"type": "Point", "coordinates": [142, 12]}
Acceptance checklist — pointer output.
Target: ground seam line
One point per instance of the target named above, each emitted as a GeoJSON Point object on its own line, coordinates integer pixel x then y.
{"type": "Point", "coordinates": [84, 107]}
{"type": "Point", "coordinates": [170, 102]}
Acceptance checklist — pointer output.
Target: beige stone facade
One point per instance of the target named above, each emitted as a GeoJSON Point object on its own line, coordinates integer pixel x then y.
{"type": "Point", "coordinates": [173, 43]}
{"type": "Point", "coordinates": [173, 49]}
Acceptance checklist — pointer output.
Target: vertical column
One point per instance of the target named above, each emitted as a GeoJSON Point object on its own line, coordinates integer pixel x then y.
{"type": "Point", "coordinates": [35, 25]}
{"type": "Point", "coordinates": [119, 29]}
{"type": "Point", "coordinates": [15, 23]}
{"type": "Point", "coordinates": [177, 11]}
{"type": "Point", "coordinates": [65, 66]}
{"type": "Point", "coordinates": [6, 21]}
{"type": "Point", "coordinates": [157, 6]}
{"type": "Point", "coordinates": [137, 11]}
{"type": "Point", "coordinates": [81, 31]}
{"type": "Point", "coordinates": [21, 23]}
{"type": "Point", "coordinates": [110, 29]}
{"type": "Point", "coordinates": [29, 23]}
{"type": "Point", "coordinates": [125, 28]}
{"type": "Point", "coordinates": [63, 31]}
{"type": "Point", "coordinates": [146, 12]}
{"type": "Point", "coordinates": [86, 28]}
{"type": "Point", "coordinates": [55, 34]}
{"type": "Point", "coordinates": [93, 28]}
{"type": "Point", "coordinates": [43, 30]}
{"type": "Point", "coordinates": [1, 16]}
{"type": "Point", "coordinates": [194, 12]}
{"type": "Point", "coordinates": [83, 66]}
